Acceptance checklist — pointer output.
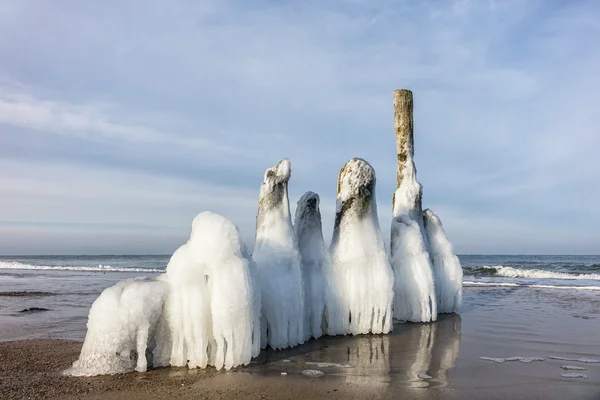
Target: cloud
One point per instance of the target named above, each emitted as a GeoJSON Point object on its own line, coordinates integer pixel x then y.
{"type": "Point", "coordinates": [165, 109]}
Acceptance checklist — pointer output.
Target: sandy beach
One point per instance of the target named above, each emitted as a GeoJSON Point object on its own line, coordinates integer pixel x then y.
{"type": "Point", "coordinates": [439, 360]}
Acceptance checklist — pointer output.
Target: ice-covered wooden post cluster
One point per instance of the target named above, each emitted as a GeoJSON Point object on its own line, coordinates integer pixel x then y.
{"type": "Point", "coordinates": [414, 293]}
{"type": "Point", "coordinates": [428, 275]}
{"type": "Point", "coordinates": [360, 292]}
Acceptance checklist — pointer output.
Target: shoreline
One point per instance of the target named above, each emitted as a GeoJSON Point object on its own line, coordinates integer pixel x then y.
{"type": "Point", "coordinates": [439, 360]}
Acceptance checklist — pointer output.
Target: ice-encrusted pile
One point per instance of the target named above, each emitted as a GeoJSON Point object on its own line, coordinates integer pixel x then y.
{"type": "Point", "coordinates": [428, 273]}
{"type": "Point", "coordinates": [218, 305]}
{"type": "Point", "coordinates": [276, 255]}
{"type": "Point", "coordinates": [447, 271]}
{"type": "Point", "coordinates": [414, 288]}
{"type": "Point", "coordinates": [314, 261]}
{"type": "Point", "coordinates": [359, 298]}
{"type": "Point", "coordinates": [414, 293]}
{"type": "Point", "coordinates": [203, 311]}
{"type": "Point", "coordinates": [213, 307]}
{"type": "Point", "coordinates": [123, 327]}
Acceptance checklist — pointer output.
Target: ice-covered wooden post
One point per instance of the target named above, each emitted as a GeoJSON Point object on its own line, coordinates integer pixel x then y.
{"type": "Point", "coordinates": [414, 298]}
{"type": "Point", "coordinates": [403, 125]}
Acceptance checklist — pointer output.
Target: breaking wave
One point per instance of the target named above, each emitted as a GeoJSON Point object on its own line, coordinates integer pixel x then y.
{"type": "Point", "coordinates": [512, 272]}
{"type": "Point", "coordinates": [524, 285]}
{"type": "Point", "coordinates": [99, 268]}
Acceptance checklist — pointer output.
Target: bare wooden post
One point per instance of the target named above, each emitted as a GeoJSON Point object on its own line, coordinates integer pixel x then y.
{"type": "Point", "coordinates": [403, 125]}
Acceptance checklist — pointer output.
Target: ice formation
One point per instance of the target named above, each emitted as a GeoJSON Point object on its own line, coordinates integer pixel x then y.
{"type": "Point", "coordinates": [447, 271]}
{"type": "Point", "coordinates": [213, 309]}
{"type": "Point", "coordinates": [414, 293]}
{"type": "Point", "coordinates": [314, 259]}
{"type": "Point", "coordinates": [414, 289]}
{"type": "Point", "coordinates": [123, 328]}
{"type": "Point", "coordinates": [277, 259]}
{"type": "Point", "coordinates": [359, 297]}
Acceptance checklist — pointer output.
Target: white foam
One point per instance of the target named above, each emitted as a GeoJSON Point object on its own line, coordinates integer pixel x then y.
{"type": "Point", "coordinates": [512, 272]}
{"type": "Point", "coordinates": [508, 284]}
{"type": "Point", "coordinates": [574, 375]}
{"type": "Point", "coordinates": [581, 360]}
{"type": "Point", "coordinates": [99, 268]}
{"type": "Point", "coordinates": [492, 284]}
{"type": "Point", "coordinates": [572, 368]}
{"type": "Point", "coordinates": [328, 364]}
{"type": "Point", "coordinates": [526, 360]}
{"type": "Point", "coordinates": [313, 373]}
{"type": "Point", "coordinates": [565, 287]}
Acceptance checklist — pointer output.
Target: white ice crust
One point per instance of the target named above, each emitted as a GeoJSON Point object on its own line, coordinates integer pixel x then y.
{"type": "Point", "coordinates": [214, 305]}
{"type": "Point", "coordinates": [122, 326]}
{"type": "Point", "coordinates": [360, 279]}
{"type": "Point", "coordinates": [447, 271]}
{"type": "Point", "coordinates": [414, 292]}
{"type": "Point", "coordinates": [277, 259]}
{"type": "Point", "coordinates": [314, 261]}
{"type": "Point", "coordinates": [414, 289]}
{"type": "Point", "coordinates": [204, 311]}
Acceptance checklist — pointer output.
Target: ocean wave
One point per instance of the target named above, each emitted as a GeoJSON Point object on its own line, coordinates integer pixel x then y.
{"type": "Point", "coordinates": [524, 285]}
{"type": "Point", "coordinates": [100, 268]}
{"type": "Point", "coordinates": [512, 272]}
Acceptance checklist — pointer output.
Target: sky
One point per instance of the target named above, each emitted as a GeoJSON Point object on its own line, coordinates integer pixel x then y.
{"type": "Point", "coordinates": [122, 120]}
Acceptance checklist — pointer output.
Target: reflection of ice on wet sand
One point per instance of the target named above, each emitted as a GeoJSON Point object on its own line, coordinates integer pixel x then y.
{"type": "Point", "coordinates": [446, 347]}
{"type": "Point", "coordinates": [369, 354]}
{"type": "Point", "coordinates": [426, 350]}
{"type": "Point", "coordinates": [414, 355]}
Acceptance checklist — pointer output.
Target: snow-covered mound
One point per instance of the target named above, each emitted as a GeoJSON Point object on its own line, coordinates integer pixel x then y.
{"type": "Point", "coordinates": [313, 258]}
{"type": "Point", "coordinates": [213, 309]}
{"type": "Point", "coordinates": [277, 259]}
{"type": "Point", "coordinates": [447, 270]}
{"type": "Point", "coordinates": [414, 293]}
{"type": "Point", "coordinates": [122, 328]}
{"type": "Point", "coordinates": [360, 295]}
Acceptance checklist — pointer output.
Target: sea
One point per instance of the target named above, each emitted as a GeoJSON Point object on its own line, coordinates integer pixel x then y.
{"type": "Point", "coordinates": [50, 296]}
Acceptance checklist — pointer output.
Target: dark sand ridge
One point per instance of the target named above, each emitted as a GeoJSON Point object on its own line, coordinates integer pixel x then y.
{"type": "Point", "coordinates": [494, 323]}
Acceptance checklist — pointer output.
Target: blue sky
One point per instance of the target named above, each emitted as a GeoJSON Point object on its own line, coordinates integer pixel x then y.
{"type": "Point", "coordinates": [121, 120]}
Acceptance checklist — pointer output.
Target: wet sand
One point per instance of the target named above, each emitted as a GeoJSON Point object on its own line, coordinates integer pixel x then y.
{"type": "Point", "coordinates": [418, 361]}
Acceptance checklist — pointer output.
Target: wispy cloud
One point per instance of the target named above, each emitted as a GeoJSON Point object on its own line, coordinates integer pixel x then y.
{"type": "Point", "coordinates": [156, 112]}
